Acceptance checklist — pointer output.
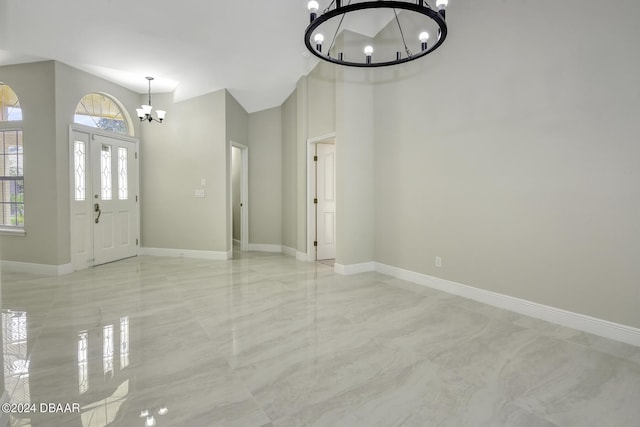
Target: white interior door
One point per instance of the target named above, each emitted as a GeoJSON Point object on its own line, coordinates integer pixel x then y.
{"type": "Point", "coordinates": [104, 206]}
{"type": "Point", "coordinates": [326, 206]}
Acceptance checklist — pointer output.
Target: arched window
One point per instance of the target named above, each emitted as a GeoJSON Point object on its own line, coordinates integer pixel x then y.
{"type": "Point", "coordinates": [103, 112]}
{"type": "Point", "coordinates": [11, 161]}
{"type": "Point", "coordinates": [10, 110]}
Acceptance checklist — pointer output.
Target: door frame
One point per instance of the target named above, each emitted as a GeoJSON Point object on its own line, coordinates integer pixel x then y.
{"type": "Point", "coordinates": [244, 198]}
{"type": "Point", "coordinates": [94, 131]}
{"type": "Point", "coordinates": [311, 182]}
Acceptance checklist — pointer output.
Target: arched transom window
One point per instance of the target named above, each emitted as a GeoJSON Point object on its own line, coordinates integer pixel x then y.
{"type": "Point", "coordinates": [10, 110]}
{"type": "Point", "coordinates": [103, 112]}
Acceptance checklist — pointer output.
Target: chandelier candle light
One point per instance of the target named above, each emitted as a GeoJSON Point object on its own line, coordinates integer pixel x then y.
{"type": "Point", "coordinates": [144, 112]}
{"type": "Point", "coordinates": [419, 11]}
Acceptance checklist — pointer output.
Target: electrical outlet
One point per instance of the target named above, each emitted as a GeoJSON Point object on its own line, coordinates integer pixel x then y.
{"type": "Point", "coordinates": [200, 193]}
{"type": "Point", "coordinates": [438, 261]}
{"type": "Point", "coordinates": [203, 182]}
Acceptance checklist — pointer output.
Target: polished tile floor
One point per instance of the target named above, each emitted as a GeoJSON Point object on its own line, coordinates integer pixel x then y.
{"type": "Point", "coordinates": [265, 340]}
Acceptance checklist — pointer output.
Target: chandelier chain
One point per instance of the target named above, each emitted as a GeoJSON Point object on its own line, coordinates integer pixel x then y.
{"type": "Point", "coordinates": [329, 7]}
{"type": "Point", "coordinates": [337, 29]}
{"type": "Point", "coordinates": [404, 42]}
{"type": "Point", "coordinates": [149, 80]}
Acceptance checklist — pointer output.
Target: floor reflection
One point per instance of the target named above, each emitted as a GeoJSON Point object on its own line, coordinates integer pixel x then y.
{"type": "Point", "coordinates": [14, 349]}
{"type": "Point", "coordinates": [103, 383]}
{"type": "Point", "coordinates": [102, 388]}
{"type": "Point", "coordinates": [267, 340]}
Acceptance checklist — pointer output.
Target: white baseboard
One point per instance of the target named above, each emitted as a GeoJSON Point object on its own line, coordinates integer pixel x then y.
{"type": "Point", "coordinates": [5, 419]}
{"type": "Point", "coordinates": [302, 256]}
{"type": "Point", "coordinates": [353, 268]}
{"type": "Point", "coordinates": [65, 269]}
{"type": "Point", "coordinates": [258, 247]}
{"type": "Point", "coordinates": [581, 322]}
{"type": "Point", "coordinates": [288, 251]}
{"type": "Point", "coordinates": [44, 269]}
{"type": "Point", "coordinates": [187, 253]}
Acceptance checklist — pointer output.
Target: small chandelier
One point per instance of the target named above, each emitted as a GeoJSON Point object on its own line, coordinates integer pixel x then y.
{"type": "Point", "coordinates": [422, 17]}
{"type": "Point", "coordinates": [144, 112]}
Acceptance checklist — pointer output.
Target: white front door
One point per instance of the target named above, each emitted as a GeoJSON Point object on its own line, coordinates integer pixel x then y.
{"type": "Point", "coordinates": [326, 196]}
{"type": "Point", "coordinates": [114, 166]}
{"type": "Point", "coordinates": [104, 199]}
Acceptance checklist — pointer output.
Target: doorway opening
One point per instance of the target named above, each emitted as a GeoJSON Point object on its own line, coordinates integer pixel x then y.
{"type": "Point", "coordinates": [321, 188]}
{"type": "Point", "coordinates": [104, 198]}
{"type": "Point", "coordinates": [239, 206]}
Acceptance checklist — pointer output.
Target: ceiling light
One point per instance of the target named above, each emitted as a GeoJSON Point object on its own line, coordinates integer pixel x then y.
{"type": "Point", "coordinates": [389, 53]}
{"type": "Point", "coordinates": [423, 37]}
{"type": "Point", "coordinates": [319, 38]}
{"type": "Point", "coordinates": [144, 112]}
{"type": "Point", "coordinates": [368, 51]}
{"type": "Point", "coordinates": [313, 7]}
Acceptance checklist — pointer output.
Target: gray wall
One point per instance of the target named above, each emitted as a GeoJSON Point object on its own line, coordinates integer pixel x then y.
{"type": "Point", "coordinates": [175, 155]}
{"type": "Point", "coordinates": [354, 163]}
{"type": "Point", "coordinates": [517, 162]}
{"type": "Point", "coordinates": [265, 177]}
{"type": "Point", "coordinates": [237, 130]}
{"type": "Point", "coordinates": [236, 120]}
{"type": "Point", "coordinates": [34, 85]}
{"type": "Point", "coordinates": [321, 100]}
{"type": "Point", "coordinates": [302, 129]}
{"type": "Point", "coordinates": [289, 170]}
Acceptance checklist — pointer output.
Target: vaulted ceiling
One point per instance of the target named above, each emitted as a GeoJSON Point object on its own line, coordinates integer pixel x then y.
{"type": "Point", "coordinates": [252, 48]}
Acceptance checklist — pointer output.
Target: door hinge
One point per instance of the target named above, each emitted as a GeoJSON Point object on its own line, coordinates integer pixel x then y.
{"type": "Point", "coordinates": [136, 198]}
{"type": "Point", "coordinates": [315, 243]}
{"type": "Point", "coordinates": [136, 242]}
{"type": "Point", "coordinates": [315, 158]}
{"type": "Point", "coordinates": [315, 201]}
{"type": "Point", "coordinates": [136, 155]}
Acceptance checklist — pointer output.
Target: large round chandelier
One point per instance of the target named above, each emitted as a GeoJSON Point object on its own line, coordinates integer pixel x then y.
{"type": "Point", "coordinates": [402, 31]}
